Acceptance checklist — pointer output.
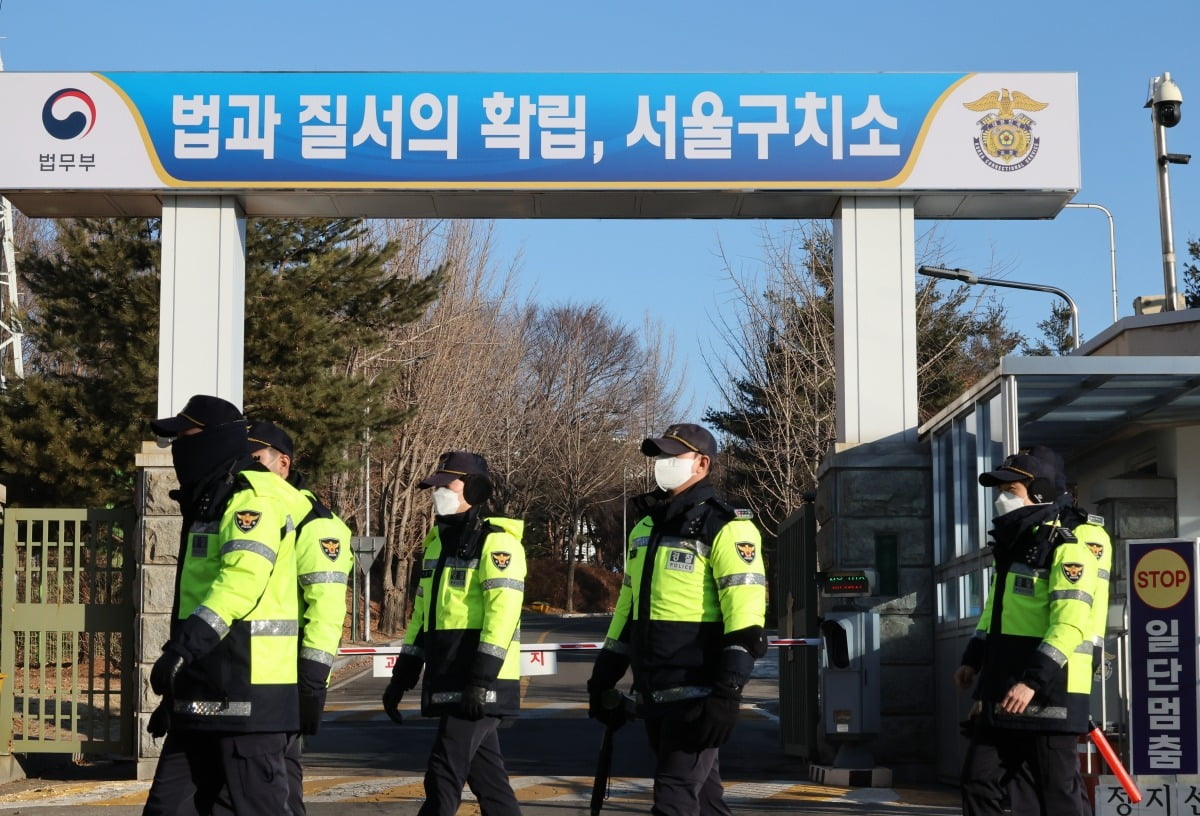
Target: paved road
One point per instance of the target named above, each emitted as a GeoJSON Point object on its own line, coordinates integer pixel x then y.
{"type": "Point", "coordinates": [361, 763]}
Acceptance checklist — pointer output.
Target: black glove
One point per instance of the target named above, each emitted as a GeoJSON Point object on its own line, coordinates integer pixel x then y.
{"type": "Point", "coordinates": [609, 706]}
{"type": "Point", "coordinates": [714, 719]}
{"type": "Point", "coordinates": [392, 695]}
{"type": "Point", "coordinates": [312, 704]}
{"type": "Point", "coordinates": [160, 721]}
{"type": "Point", "coordinates": [407, 671]}
{"type": "Point", "coordinates": [473, 700]}
{"type": "Point", "coordinates": [162, 676]}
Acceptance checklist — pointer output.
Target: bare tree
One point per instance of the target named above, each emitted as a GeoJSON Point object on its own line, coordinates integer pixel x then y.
{"type": "Point", "coordinates": [778, 379]}
{"type": "Point", "coordinates": [449, 372]}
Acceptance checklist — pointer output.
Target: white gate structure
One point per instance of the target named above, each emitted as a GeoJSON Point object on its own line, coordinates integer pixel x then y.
{"type": "Point", "coordinates": [872, 151]}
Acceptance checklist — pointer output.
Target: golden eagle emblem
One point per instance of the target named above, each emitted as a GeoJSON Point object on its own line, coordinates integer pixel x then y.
{"type": "Point", "coordinates": [1097, 549]}
{"type": "Point", "coordinates": [1072, 572]}
{"type": "Point", "coordinates": [246, 520]}
{"type": "Point", "coordinates": [501, 560]}
{"type": "Point", "coordinates": [332, 547]}
{"type": "Point", "coordinates": [1006, 141]}
{"type": "Point", "coordinates": [746, 551]}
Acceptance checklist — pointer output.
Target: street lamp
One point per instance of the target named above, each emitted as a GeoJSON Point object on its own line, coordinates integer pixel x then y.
{"type": "Point", "coordinates": [1166, 109]}
{"type": "Point", "coordinates": [970, 278]}
{"type": "Point", "coordinates": [1112, 247]}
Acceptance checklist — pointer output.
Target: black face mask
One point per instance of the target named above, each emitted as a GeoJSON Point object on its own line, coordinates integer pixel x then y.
{"type": "Point", "coordinates": [201, 457]}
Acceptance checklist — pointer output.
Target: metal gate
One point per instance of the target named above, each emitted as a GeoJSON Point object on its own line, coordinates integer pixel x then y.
{"type": "Point", "coordinates": [67, 628]}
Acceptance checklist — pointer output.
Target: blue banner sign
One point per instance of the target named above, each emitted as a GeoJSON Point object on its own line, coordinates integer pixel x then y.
{"type": "Point", "coordinates": [363, 131]}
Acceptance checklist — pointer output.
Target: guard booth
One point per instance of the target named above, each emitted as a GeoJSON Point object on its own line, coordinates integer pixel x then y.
{"type": "Point", "coordinates": [1124, 413]}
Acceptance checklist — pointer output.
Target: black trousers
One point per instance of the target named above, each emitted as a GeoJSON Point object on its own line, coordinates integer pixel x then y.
{"type": "Point", "coordinates": [236, 774]}
{"type": "Point", "coordinates": [1037, 773]}
{"type": "Point", "coordinates": [467, 752]}
{"type": "Point", "coordinates": [687, 782]}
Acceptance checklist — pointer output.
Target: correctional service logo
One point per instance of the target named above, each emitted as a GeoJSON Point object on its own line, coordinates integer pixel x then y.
{"type": "Point", "coordinates": [1072, 572]}
{"type": "Point", "coordinates": [1006, 141]}
{"type": "Point", "coordinates": [246, 520]}
{"type": "Point", "coordinates": [746, 551]}
{"type": "Point", "coordinates": [501, 560]}
{"type": "Point", "coordinates": [332, 547]}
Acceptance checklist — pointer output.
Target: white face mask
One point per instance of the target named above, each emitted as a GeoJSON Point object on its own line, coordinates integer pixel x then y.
{"type": "Point", "coordinates": [1007, 502]}
{"type": "Point", "coordinates": [670, 472]}
{"type": "Point", "coordinates": [445, 501]}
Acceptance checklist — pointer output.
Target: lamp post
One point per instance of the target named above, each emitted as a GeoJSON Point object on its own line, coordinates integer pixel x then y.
{"type": "Point", "coordinates": [1166, 109]}
{"type": "Point", "coordinates": [970, 278]}
{"type": "Point", "coordinates": [1112, 247]}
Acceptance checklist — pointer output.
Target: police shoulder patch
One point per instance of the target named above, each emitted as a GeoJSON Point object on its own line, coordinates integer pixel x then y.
{"type": "Point", "coordinates": [332, 547]}
{"type": "Point", "coordinates": [501, 559]}
{"type": "Point", "coordinates": [1072, 572]}
{"type": "Point", "coordinates": [246, 520]}
{"type": "Point", "coordinates": [747, 551]}
{"type": "Point", "coordinates": [1096, 548]}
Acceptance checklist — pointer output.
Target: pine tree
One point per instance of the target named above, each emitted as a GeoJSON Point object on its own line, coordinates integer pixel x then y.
{"type": "Point", "coordinates": [69, 431]}
{"type": "Point", "coordinates": [1191, 276]}
{"type": "Point", "coordinates": [779, 418]}
{"type": "Point", "coordinates": [319, 295]}
{"type": "Point", "coordinates": [317, 291]}
{"type": "Point", "coordinates": [1057, 338]}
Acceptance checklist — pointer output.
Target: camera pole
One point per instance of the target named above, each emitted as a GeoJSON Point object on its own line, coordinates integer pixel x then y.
{"type": "Point", "coordinates": [1164, 103]}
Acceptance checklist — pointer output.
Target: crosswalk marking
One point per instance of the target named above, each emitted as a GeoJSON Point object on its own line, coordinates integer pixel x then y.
{"type": "Point", "coordinates": [529, 789]}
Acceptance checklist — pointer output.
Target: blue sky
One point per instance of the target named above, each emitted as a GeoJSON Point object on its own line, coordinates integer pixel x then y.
{"type": "Point", "coordinates": [671, 267]}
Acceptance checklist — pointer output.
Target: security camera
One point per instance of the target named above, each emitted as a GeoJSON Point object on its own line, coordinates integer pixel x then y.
{"type": "Point", "coordinates": [1166, 99]}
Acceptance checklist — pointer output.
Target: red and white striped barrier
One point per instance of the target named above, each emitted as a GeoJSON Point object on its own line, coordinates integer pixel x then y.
{"type": "Point", "coordinates": [536, 658]}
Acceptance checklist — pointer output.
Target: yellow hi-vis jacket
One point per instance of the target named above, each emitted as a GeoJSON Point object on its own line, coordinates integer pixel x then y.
{"type": "Point", "coordinates": [323, 564]}
{"type": "Point", "coordinates": [1039, 627]}
{"type": "Point", "coordinates": [238, 578]}
{"type": "Point", "coordinates": [466, 621]}
{"type": "Point", "coordinates": [688, 584]}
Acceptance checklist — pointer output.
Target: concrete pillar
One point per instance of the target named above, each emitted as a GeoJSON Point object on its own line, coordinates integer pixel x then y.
{"type": "Point", "coordinates": [875, 312]}
{"type": "Point", "coordinates": [159, 527]}
{"type": "Point", "coordinates": [874, 487]}
{"type": "Point", "coordinates": [203, 300]}
{"type": "Point", "coordinates": [200, 351]}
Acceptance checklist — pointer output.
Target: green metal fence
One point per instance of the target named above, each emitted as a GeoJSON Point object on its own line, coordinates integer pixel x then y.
{"type": "Point", "coordinates": [67, 629]}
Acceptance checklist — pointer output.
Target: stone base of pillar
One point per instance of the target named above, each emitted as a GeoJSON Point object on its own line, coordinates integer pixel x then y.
{"type": "Point", "coordinates": [873, 506]}
{"type": "Point", "coordinates": [159, 527]}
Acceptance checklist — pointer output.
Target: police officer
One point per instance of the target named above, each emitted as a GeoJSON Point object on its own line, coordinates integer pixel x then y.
{"type": "Point", "coordinates": [689, 620]}
{"type": "Point", "coordinates": [465, 631]}
{"type": "Point", "coordinates": [323, 562]}
{"type": "Point", "coordinates": [228, 671]}
{"type": "Point", "coordinates": [1032, 652]}
{"type": "Point", "coordinates": [1089, 529]}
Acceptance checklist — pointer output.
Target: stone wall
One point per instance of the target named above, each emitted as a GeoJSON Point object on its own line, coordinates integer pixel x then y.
{"type": "Point", "coordinates": [159, 527]}
{"type": "Point", "coordinates": [885, 489]}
